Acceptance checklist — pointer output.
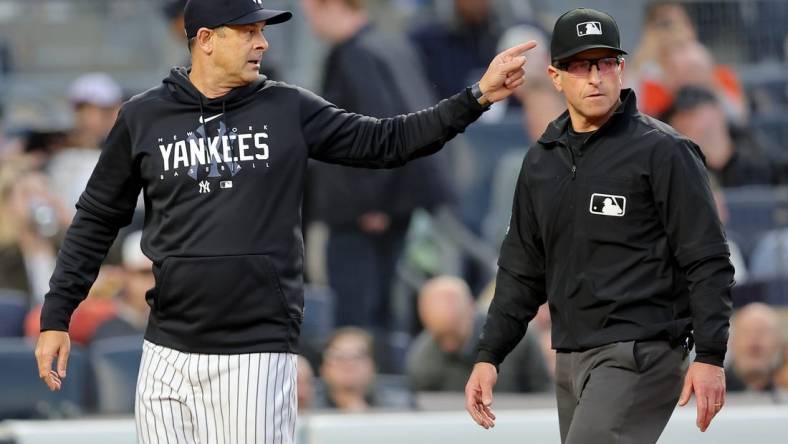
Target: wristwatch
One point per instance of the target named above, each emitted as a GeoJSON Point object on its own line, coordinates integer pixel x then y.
{"type": "Point", "coordinates": [476, 92]}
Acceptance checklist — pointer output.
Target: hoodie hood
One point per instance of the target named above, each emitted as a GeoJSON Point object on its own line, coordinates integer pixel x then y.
{"type": "Point", "coordinates": [183, 91]}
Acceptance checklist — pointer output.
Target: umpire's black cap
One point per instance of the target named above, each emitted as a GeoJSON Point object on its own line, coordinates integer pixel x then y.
{"type": "Point", "coordinates": [582, 29]}
{"type": "Point", "coordinates": [214, 13]}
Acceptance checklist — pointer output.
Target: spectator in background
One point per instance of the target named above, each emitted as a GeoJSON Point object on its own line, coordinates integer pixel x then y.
{"type": "Point", "coordinates": [173, 13]}
{"type": "Point", "coordinates": [305, 384]}
{"type": "Point", "coordinates": [442, 356]}
{"type": "Point", "coordinates": [348, 372]}
{"type": "Point", "coordinates": [379, 75]}
{"type": "Point", "coordinates": [31, 222]}
{"type": "Point", "coordinates": [740, 274]}
{"type": "Point", "coordinates": [98, 308]}
{"type": "Point", "coordinates": [131, 308]}
{"type": "Point", "coordinates": [756, 349]}
{"type": "Point", "coordinates": [541, 103]}
{"type": "Point", "coordinates": [9, 148]}
{"type": "Point", "coordinates": [697, 113]}
{"type": "Point", "coordinates": [95, 99]}
{"type": "Point", "coordinates": [458, 51]}
{"type": "Point", "coordinates": [669, 57]}
{"type": "Point", "coordinates": [781, 378]}
{"type": "Point", "coordinates": [769, 259]}
{"type": "Point", "coordinates": [35, 129]}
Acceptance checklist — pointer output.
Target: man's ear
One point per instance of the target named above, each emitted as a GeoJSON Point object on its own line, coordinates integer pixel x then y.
{"type": "Point", "coordinates": [205, 40]}
{"type": "Point", "coordinates": [555, 76]}
{"type": "Point", "coordinates": [621, 71]}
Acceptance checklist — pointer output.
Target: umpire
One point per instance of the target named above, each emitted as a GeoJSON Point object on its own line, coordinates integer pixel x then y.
{"type": "Point", "coordinates": [613, 224]}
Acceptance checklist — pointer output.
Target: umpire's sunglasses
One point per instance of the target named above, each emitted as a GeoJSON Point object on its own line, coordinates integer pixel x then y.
{"type": "Point", "coordinates": [581, 67]}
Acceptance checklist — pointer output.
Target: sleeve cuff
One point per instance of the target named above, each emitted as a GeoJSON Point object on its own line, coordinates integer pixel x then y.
{"type": "Point", "coordinates": [711, 359]}
{"type": "Point", "coordinates": [488, 357]}
{"type": "Point", "coordinates": [55, 314]}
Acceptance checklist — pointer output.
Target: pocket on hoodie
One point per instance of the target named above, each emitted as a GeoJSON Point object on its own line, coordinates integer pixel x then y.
{"type": "Point", "coordinates": [221, 294]}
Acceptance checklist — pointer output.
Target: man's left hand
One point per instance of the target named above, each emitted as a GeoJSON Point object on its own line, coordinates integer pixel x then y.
{"type": "Point", "coordinates": [505, 73]}
{"type": "Point", "coordinates": [708, 383]}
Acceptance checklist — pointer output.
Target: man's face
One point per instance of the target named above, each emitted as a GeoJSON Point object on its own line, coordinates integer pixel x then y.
{"type": "Point", "coordinates": [591, 95]}
{"type": "Point", "coordinates": [238, 50]}
{"type": "Point", "coordinates": [347, 364]}
{"type": "Point", "coordinates": [473, 11]}
{"type": "Point", "coordinates": [327, 18]}
{"type": "Point", "coordinates": [95, 122]}
{"type": "Point", "coordinates": [318, 15]}
{"type": "Point", "coordinates": [138, 282]}
{"type": "Point", "coordinates": [706, 126]}
{"type": "Point", "coordinates": [755, 344]}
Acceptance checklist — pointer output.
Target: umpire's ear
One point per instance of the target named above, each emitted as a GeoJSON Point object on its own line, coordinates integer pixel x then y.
{"type": "Point", "coordinates": [555, 76]}
{"type": "Point", "coordinates": [621, 72]}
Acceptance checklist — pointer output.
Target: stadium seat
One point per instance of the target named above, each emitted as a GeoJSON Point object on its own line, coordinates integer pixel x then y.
{"type": "Point", "coordinates": [753, 211]}
{"type": "Point", "coordinates": [502, 195]}
{"type": "Point", "coordinates": [777, 292]}
{"type": "Point", "coordinates": [318, 310]}
{"type": "Point", "coordinates": [489, 143]}
{"type": "Point", "coordinates": [318, 321]}
{"type": "Point", "coordinates": [769, 259]}
{"type": "Point", "coordinates": [395, 390]}
{"type": "Point", "coordinates": [24, 394]}
{"type": "Point", "coordinates": [773, 128]}
{"type": "Point", "coordinates": [115, 363]}
{"type": "Point", "coordinates": [13, 308]}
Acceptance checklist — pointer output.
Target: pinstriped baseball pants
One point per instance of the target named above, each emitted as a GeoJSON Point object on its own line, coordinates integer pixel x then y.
{"type": "Point", "coordinates": [215, 399]}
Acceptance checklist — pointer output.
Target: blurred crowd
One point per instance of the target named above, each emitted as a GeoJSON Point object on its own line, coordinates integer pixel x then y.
{"type": "Point", "coordinates": [400, 262]}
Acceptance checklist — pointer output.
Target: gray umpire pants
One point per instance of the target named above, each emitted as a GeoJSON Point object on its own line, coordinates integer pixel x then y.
{"type": "Point", "coordinates": [618, 393]}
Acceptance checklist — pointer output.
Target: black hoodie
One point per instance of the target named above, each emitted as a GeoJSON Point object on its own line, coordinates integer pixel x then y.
{"type": "Point", "coordinates": [222, 180]}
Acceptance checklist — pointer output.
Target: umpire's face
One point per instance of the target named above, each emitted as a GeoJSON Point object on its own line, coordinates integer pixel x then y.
{"type": "Point", "coordinates": [236, 52]}
{"type": "Point", "coordinates": [591, 82]}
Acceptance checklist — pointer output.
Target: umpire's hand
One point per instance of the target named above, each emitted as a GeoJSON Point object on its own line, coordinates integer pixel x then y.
{"type": "Point", "coordinates": [505, 73]}
{"type": "Point", "coordinates": [708, 383]}
{"type": "Point", "coordinates": [52, 343]}
{"type": "Point", "coordinates": [478, 394]}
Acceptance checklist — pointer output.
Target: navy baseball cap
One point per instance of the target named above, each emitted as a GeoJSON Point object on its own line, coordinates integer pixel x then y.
{"type": "Point", "coordinates": [582, 29]}
{"type": "Point", "coordinates": [214, 13]}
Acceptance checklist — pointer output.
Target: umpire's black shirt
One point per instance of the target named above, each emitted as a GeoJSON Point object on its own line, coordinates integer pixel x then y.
{"type": "Point", "coordinates": [620, 235]}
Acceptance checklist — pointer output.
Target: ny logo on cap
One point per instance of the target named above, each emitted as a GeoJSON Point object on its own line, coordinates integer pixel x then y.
{"type": "Point", "coordinates": [259, 2]}
{"type": "Point", "coordinates": [589, 28]}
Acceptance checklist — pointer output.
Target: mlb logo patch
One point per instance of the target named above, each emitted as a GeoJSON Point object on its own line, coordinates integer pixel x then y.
{"type": "Point", "coordinates": [589, 28]}
{"type": "Point", "coordinates": [608, 205]}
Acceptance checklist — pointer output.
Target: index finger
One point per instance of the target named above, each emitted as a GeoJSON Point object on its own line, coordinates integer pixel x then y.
{"type": "Point", "coordinates": [520, 49]}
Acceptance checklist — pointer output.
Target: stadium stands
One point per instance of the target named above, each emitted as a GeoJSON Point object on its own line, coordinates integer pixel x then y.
{"type": "Point", "coordinates": [13, 308]}
{"type": "Point", "coordinates": [115, 363]}
{"type": "Point", "coordinates": [24, 395]}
